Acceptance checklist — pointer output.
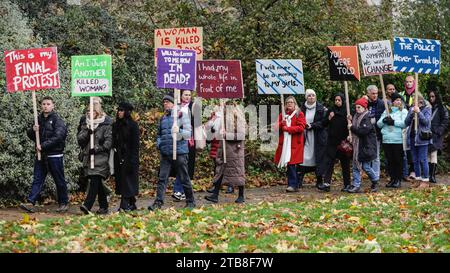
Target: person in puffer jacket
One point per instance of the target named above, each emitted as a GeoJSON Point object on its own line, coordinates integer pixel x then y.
{"type": "Point", "coordinates": [391, 129]}
{"type": "Point", "coordinates": [164, 143]}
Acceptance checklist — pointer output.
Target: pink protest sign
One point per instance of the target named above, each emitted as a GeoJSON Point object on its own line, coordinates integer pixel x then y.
{"type": "Point", "coordinates": [219, 79]}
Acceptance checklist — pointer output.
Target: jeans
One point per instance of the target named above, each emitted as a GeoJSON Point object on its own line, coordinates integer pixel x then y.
{"type": "Point", "coordinates": [96, 187]}
{"type": "Point", "coordinates": [376, 163]}
{"type": "Point", "coordinates": [181, 168]}
{"type": "Point", "coordinates": [420, 159]}
{"type": "Point", "coordinates": [177, 185]}
{"type": "Point", "coordinates": [367, 167]}
{"type": "Point", "coordinates": [292, 175]}
{"type": "Point", "coordinates": [54, 165]}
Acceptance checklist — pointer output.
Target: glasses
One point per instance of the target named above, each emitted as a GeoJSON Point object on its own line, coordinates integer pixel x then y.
{"type": "Point", "coordinates": [289, 102]}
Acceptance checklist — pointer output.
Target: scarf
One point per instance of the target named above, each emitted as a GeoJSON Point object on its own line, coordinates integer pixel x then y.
{"type": "Point", "coordinates": [355, 123]}
{"type": "Point", "coordinates": [312, 106]}
{"type": "Point", "coordinates": [409, 91]}
{"type": "Point", "coordinates": [97, 122]}
{"type": "Point", "coordinates": [286, 151]}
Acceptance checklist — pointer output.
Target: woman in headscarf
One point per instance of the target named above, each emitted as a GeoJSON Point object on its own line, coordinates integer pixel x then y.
{"type": "Point", "coordinates": [125, 133]}
{"type": "Point", "coordinates": [336, 123]}
{"type": "Point", "coordinates": [289, 152]}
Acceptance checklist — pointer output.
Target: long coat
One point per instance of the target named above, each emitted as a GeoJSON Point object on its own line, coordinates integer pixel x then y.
{"type": "Point", "coordinates": [126, 157]}
{"type": "Point", "coordinates": [102, 145]}
{"type": "Point", "coordinates": [336, 129]}
{"type": "Point", "coordinates": [320, 134]}
{"type": "Point", "coordinates": [233, 171]}
{"type": "Point", "coordinates": [298, 124]}
{"type": "Point", "coordinates": [438, 126]}
{"type": "Point", "coordinates": [367, 148]}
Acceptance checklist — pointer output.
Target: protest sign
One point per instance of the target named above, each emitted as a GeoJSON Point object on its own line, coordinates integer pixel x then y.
{"type": "Point", "coordinates": [91, 75]}
{"type": "Point", "coordinates": [31, 69]}
{"type": "Point", "coordinates": [219, 79]}
{"type": "Point", "coordinates": [175, 69]}
{"type": "Point", "coordinates": [181, 38]}
{"type": "Point", "coordinates": [280, 77]}
{"type": "Point", "coordinates": [343, 61]}
{"type": "Point", "coordinates": [376, 57]}
{"type": "Point", "coordinates": [417, 55]}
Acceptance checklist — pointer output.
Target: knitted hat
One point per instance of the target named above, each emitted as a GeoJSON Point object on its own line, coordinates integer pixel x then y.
{"type": "Point", "coordinates": [309, 92]}
{"type": "Point", "coordinates": [126, 106]}
{"type": "Point", "coordinates": [169, 97]}
{"type": "Point", "coordinates": [362, 102]}
{"type": "Point", "coordinates": [395, 96]}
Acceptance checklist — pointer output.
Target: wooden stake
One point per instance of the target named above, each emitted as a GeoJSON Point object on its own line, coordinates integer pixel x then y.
{"type": "Point", "coordinates": [222, 105]}
{"type": "Point", "coordinates": [176, 93]}
{"type": "Point", "coordinates": [416, 102]}
{"type": "Point", "coordinates": [283, 112]}
{"type": "Point", "coordinates": [383, 91]}
{"type": "Point", "coordinates": [91, 117]}
{"type": "Point", "coordinates": [36, 122]}
{"type": "Point", "coordinates": [347, 105]}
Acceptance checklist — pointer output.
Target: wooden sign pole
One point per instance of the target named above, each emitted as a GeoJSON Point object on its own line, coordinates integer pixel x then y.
{"type": "Point", "coordinates": [347, 105]}
{"type": "Point", "coordinates": [91, 117]}
{"type": "Point", "coordinates": [36, 122]}
{"type": "Point", "coordinates": [222, 105]}
{"type": "Point", "coordinates": [283, 111]}
{"type": "Point", "coordinates": [416, 102]}
{"type": "Point", "coordinates": [383, 91]}
{"type": "Point", "coordinates": [176, 93]}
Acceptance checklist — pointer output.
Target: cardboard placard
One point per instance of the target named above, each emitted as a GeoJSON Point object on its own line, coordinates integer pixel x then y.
{"type": "Point", "coordinates": [343, 61]}
{"type": "Point", "coordinates": [175, 69]}
{"type": "Point", "coordinates": [31, 69]}
{"type": "Point", "coordinates": [417, 55]}
{"type": "Point", "coordinates": [376, 58]}
{"type": "Point", "coordinates": [280, 77]}
{"type": "Point", "coordinates": [91, 75]}
{"type": "Point", "coordinates": [181, 38]}
{"type": "Point", "coordinates": [219, 79]}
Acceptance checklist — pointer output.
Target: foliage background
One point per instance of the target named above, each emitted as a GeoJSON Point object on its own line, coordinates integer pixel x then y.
{"type": "Point", "coordinates": [233, 29]}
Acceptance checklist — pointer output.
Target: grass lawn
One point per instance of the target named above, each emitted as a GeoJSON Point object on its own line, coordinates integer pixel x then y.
{"type": "Point", "coordinates": [392, 221]}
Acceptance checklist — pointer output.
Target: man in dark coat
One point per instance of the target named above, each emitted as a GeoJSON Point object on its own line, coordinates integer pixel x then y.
{"type": "Point", "coordinates": [52, 135]}
{"type": "Point", "coordinates": [126, 156]}
{"type": "Point", "coordinates": [375, 107]}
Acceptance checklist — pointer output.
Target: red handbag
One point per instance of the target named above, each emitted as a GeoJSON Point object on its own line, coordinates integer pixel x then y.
{"type": "Point", "coordinates": [346, 148]}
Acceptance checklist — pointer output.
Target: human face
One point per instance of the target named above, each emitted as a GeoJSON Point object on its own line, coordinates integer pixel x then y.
{"type": "Point", "coordinates": [390, 89]}
{"type": "Point", "coordinates": [120, 113]}
{"type": "Point", "coordinates": [47, 106]}
{"type": "Point", "coordinates": [397, 102]}
{"type": "Point", "coordinates": [290, 105]}
{"type": "Point", "coordinates": [432, 97]}
{"type": "Point", "coordinates": [338, 101]}
{"type": "Point", "coordinates": [373, 94]}
{"type": "Point", "coordinates": [409, 81]}
{"type": "Point", "coordinates": [186, 97]}
{"type": "Point", "coordinates": [311, 98]}
{"type": "Point", "coordinates": [359, 109]}
{"type": "Point", "coordinates": [167, 104]}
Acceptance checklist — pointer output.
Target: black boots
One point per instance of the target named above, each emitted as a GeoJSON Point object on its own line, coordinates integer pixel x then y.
{"type": "Point", "coordinates": [240, 198]}
{"type": "Point", "coordinates": [432, 168]}
{"type": "Point", "coordinates": [214, 197]}
{"type": "Point", "coordinates": [374, 186]}
{"type": "Point", "coordinates": [324, 187]}
{"type": "Point", "coordinates": [397, 183]}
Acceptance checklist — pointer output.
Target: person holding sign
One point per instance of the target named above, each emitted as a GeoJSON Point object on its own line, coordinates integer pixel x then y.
{"type": "Point", "coordinates": [231, 172]}
{"type": "Point", "coordinates": [289, 152]}
{"type": "Point", "coordinates": [439, 123]}
{"type": "Point", "coordinates": [364, 146]}
{"type": "Point", "coordinates": [52, 133]}
{"type": "Point", "coordinates": [336, 123]}
{"type": "Point", "coordinates": [125, 133]}
{"type": "Point", "coordinates": [103, 141]}
{"type": "Point", "coordinates": [418, 141]}
{"type": "Point", "coordinates": [391, 128]}
{"type": "Point", "coordinates": [410, 87]}
{"type": "Point", "coordinates": [164, 142]}
{"type": "Point", "coordinates": [375, 106]}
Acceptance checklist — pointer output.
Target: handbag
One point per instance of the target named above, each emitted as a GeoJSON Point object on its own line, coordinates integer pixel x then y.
{"type": "Point", "coordinates": [346, 148]}
{"type": "Point", "coordinates": [427, 134]}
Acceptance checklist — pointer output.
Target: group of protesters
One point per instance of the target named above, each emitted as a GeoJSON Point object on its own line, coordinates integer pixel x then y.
{"type": "Point", "coordinates": [311, 138]}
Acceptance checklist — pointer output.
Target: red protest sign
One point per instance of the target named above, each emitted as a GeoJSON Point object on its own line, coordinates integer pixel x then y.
{"type": "Point", "coordinates": [31, 69]}
{"type": "Point", "coordinates": [219, 79]}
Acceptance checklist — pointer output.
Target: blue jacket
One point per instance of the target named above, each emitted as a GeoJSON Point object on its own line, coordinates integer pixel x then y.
{"type": "Point", "coordinates": [424, 125]}
{"type": "Point", "coordinates": [393, 134]}
{"type": "Point", "coordinates": [376, 109]}
{"type": "Point", "coordinates": [164, 140]}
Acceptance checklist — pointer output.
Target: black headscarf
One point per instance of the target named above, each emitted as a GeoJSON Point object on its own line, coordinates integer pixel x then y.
{"type": "Point", "coordinates": [339, 110]}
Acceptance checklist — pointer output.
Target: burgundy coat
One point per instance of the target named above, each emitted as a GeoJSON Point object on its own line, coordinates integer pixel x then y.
{"type": "Point", "coordinates": [298, 124]}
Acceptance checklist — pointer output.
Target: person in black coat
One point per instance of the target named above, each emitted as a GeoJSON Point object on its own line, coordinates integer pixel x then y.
{"type": "Point", "coordinates": [126, 156]}
{"type": "Point", "coordinates": [336, 123]}
{"type": "Point", "coordinates": [439, 122]}
{"type": "Point", "coordinates": [315, 138]}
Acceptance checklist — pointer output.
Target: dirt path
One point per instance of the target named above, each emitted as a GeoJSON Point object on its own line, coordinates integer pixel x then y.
{"type": "Point", "coordinates": [253, 196]}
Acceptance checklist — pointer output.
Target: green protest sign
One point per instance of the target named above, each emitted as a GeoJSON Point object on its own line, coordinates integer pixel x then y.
{"type": "Point", "coordinates": [91, 75]}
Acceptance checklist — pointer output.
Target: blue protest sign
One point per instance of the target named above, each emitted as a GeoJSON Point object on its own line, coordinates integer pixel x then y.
{"type": "Point", "coordinates": [417, 55]}
{"type": "Point", "coordinates": [175, 68]}
{"type": "Point", "coordinates": [280, 77]}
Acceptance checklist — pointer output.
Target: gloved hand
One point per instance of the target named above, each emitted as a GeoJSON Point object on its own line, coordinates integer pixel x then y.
{"type": "Point", "coordinates": [91, 151]}
{"type": "Point", "coordinates": [90, 131]}
{"type": "Point", "coordinates": [388, 120]}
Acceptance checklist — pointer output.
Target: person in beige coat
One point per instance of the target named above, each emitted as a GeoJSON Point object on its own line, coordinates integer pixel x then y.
{"type": "Point", "coordinates": [231, 173]}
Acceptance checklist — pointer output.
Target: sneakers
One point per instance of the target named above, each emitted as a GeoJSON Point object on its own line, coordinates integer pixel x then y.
{"type": "Point", "coordinates": [62, 208]}
{"type": "Point", "coordinates": [354, 189]}
{"type": "Point", "coordinates": [179, 196]}
{"type": "Point", "coordinates": [29, 207]}
{"type": "Point", "coordinates": [155, 206]}
{"type": "Point", "coordinates": [324, 187]}
{"type": "Point", "coordinates": [346, 188]}
{"type": "Point", "coordinates": [85, 210]}
{"type": "Point", "coordinates": [290, 189]}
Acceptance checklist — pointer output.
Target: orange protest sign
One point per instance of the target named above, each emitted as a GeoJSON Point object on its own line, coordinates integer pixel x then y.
{"type": "Point", "coordinates": [344, 64]}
